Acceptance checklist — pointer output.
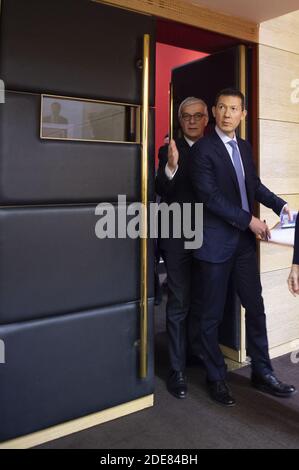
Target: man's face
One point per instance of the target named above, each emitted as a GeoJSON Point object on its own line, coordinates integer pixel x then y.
{"type": "Point", "coordinates": [55, 108]}
{"type": "Point", "coordinates": [228, 114]}
{"type": "Point", "coordinates": [193, 121]}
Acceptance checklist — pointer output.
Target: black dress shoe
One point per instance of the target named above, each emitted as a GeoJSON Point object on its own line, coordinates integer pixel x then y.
{"type": "Point", "coordinates": [219, 391]}
{"type": "Point", "coordinates": [177, 385]}
{"type": "Point", "coordinates": [270, 384]}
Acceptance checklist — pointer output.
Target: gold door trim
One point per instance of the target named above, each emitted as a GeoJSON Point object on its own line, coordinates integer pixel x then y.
{"type": "Point", "coordinates": [77, 425]}
{"type": "Point", "coordinates": [170, 111]}
{"type": "Point", "coordinates": [144, 204]}
{"type": "Point", "coordinates": [243, 135]}
{"type": "Point", "coordinates": [242, 84]}
{"type": "Point", "coordinates": [239, 355]}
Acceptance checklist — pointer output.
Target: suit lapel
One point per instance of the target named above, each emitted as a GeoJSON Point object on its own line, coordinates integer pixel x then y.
{"type": "Point", "coordinates": [184, 150]}
{"type": "Point", "coordinates": [183, 144]}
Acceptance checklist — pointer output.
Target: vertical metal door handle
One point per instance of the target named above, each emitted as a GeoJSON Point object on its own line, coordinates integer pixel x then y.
{"type": "Point", "coordinates": [144, 201]}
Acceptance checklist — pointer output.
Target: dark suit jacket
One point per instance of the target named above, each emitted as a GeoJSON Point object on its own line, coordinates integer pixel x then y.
{"type": "Point", "coordinates": [296, 247]}
{"type": "Point", "coordinates": [178, 189]}
{"type": "Point", "coordinates": [215, 183]}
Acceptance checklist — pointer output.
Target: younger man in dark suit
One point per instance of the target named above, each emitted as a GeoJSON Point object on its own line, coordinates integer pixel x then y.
{"type": "Point", "coordinates": [225, 180]}
{"type": "Point", "coordinates": [173, 185]}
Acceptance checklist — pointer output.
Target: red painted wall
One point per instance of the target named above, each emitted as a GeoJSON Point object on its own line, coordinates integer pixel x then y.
{"type": "Point", "coordinates": [167, 57]}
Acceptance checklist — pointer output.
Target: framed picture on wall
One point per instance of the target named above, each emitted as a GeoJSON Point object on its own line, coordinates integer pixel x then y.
{"type": "Point", "coordinates": [81, 119]}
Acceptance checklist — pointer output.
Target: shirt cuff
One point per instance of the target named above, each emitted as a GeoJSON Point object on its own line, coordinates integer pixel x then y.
{"type": "Point", "coordinates": [281, 212]}
{"type": "Point", "coordinates": [169, 173]}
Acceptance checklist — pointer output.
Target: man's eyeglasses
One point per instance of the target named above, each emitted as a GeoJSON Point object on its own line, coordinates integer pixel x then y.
{"type": "Point", "coordinates": [197, 116]}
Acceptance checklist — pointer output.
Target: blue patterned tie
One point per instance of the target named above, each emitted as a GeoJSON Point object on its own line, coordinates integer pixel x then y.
{"type": "Point", "coordinates": [239, 173]}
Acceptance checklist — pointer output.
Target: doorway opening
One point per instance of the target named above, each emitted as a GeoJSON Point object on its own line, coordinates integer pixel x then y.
{"type": "Point", "coordinates": [179, 48]}
{"type": "Point", "coordinates": [167, 58]}
{"type": "Point", "coordinates": [178, 44]}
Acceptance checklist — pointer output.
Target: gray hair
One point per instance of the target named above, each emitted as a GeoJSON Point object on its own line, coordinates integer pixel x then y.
{"type": "Point", "coordinates": [192, 100]}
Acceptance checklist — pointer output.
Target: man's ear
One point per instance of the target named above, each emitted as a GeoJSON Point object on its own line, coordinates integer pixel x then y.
{"type": "Point", "coordinates": [244, 114]}
{"type": "Point", "coordinates": [214, 111]}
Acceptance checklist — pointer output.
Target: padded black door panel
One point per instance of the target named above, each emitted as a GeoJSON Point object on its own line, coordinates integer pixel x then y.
{"type": "Point", "coordinates": [75, 48]}
{"type": "Point", "coordinates": [37, 171]}
{"type": "Point", "coordinates": [69, 302]}
{"type": "Point", "coordinates": [62, 368]}
{"type": "Point", "coordinates": [53, 263]}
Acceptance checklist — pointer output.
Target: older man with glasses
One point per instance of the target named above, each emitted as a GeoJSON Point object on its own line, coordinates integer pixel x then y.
{"type": "Point", "coordinates": [174, 186]}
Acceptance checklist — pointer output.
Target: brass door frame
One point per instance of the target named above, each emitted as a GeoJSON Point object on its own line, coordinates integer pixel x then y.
{"type": "Point", "coordinates": [239, 355]}
{"type": "Point", "coordinates": [243, 135]}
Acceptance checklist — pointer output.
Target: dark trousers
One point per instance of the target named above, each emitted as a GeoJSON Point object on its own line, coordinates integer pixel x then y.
{"type": "Point", "coordinates": [208, 307]}
{"type": "Point", "coordinates": [179, 270]}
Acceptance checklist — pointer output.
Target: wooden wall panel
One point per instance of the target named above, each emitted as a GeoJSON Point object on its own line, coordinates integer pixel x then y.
{"type": "Point", "coordinates": [178, 10]}
{"type": "Point", "coordinates": [275, 257]}
{"type": "Point", "coordinates": [277, 71]}
{"type": "Point", "coordinates": [281, 32]}
{"type": "Point", "coordinates": [281, 308]}
{"type": "Point", "coordinates": [279, 156]}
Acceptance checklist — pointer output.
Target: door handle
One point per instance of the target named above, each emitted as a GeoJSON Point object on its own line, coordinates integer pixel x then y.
{"type": "Point", "coordinates": [144, 212]}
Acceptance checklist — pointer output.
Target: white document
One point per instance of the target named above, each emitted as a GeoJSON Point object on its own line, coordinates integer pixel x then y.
{"type": "Point", "coordinates": [282, 236]}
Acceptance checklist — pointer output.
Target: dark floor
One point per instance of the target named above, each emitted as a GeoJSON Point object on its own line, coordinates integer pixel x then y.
{"type": "Point", "coordinates": [258, 421]}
